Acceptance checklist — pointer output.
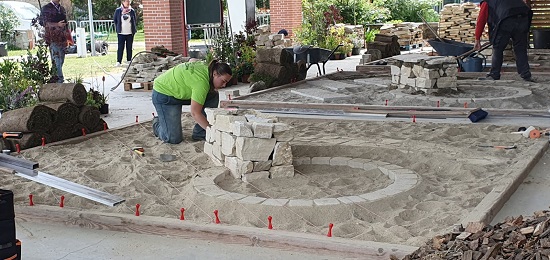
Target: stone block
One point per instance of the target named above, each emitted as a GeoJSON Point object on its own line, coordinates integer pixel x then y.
{"type": "Point", "coordinates": [251, 200]}
{"type": "Point", "coordinates": [339, 161]}
{"type": "Point", "coordinates": [248, 177]}
{"type": "Point", "coordinates": [286, 171]}
{"type": "Point", "coordinates": [300, 203]}
{"type": "Point", "coordinates": [207, 148]}
{"type": "Point", "coordinates": [431, 73]}
{"type": "Point", "coordinates": [217, 135]}
{"type": "Point", "coordinates": [418, 70]}
{"type": "Point", "coordinates": [228, 144]}
{"type": "Point", "coordinates": [395, 79]}
{"type": "Point", "coordinates": [301, 161]}
{"type": "Point", "coordinates": [411, 82]}
{"type": "Point", "coordinates": [357, 163]}
{"type": "Point", "coordinates": [238, 167]}
{"type": "Point", "coordinates": [253, 118]}
{"type": "Point", "coordinates": [320, 160]}
{"type": "Point", "coordinates": [211, 114]}
{"type": "Point", "coordinates": [451, 71]}
{"type": "Point", "coordinates": [232, 196]}
{"type": "Point", "coordinates": [283, 132]}
{"type": "Point", "coordinates": [406, 72]}
{"type": "Point", "coordinates": [282, 154]}
{"type": "Point", "coordinates": [425, 83]}
{"type": "Point", "coordinates": [351, 199]}
{"type": "Point", "coordinates": [217, 151]}
{"type": "Point", "coordinates": [276, 37]}
{"type": "Point", "coordinates": [243, 129]}
{"type": "Point", "coordinates": [275, 202]}
{"type": "Point", "coordinates": [326, 201]}
{"type": "Point", "coordinates": [262, 130]}
{"type": "Point", "coordinates": [209, 135]}
{"type": "Point", "coordinates": [224, 122]}
{"type": "Point", "coordinates": [262, 166]}
{"type": "Point", "coordinates": [254, 149]}
{"type": "Point", "coordinates": [395, 70]}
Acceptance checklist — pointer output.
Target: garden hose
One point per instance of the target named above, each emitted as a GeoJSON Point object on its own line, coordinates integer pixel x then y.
{"type": "Point", "coordinates": [130, 64]}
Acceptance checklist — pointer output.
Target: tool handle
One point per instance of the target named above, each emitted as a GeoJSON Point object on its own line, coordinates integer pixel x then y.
{"type": "Point", "coordinates": [16, 135]}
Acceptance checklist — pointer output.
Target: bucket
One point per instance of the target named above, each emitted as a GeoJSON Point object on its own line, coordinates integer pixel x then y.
{"type": "Point", "coordinates": [473, 64]}
{"type": "Point", "coordinates": [541, 39]}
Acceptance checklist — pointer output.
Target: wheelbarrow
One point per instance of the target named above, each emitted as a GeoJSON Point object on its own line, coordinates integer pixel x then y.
{"type": "Point", "coordinates": [312, 55]}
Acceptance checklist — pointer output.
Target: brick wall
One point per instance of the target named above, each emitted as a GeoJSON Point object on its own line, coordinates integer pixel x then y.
{"type": "Point", "coordinates": [285, 14]}
{"type": "Point", "coordinates": [163, 24]}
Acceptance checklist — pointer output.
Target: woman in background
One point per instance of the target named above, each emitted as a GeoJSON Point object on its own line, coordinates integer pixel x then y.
{"type": "Point", "coordinates": [125, 24]}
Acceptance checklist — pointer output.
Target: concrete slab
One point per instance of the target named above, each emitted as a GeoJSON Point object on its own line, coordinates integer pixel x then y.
{"type": "Point", "coordinates": [332, 84]}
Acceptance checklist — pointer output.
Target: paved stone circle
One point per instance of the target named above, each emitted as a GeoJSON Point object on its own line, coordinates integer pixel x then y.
{"type": "Point", "coordinates": [403, 180]}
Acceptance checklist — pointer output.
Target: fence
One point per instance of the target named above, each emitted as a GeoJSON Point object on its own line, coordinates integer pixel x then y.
{"type": "Point", "coordinates": [102, 28]}
{"type": "Point", "coordinates": [263, 19]}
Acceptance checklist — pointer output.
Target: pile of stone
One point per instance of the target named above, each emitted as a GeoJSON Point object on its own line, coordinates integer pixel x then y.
{"type": "Point", "coordinates": [388, 46]}
{"type": "Point", "coordinates": [251, 145]}
{"type": "Point", "coordinates": [408, 33]}
{"type": "Point", "coordinates": [458, 22]}
{"type": "Point", "coordinates": [429, 74]}
{"type": "Point", "coordinates": [426, 32]}
{"type": "Point", "coordinates": [514, 238]}
{"type": "Point", "coordinates": [276, 67]}
{"type": "Point", "coordinates": [264, 38]}
{"type": "Point", "coordinates": [146, 67]}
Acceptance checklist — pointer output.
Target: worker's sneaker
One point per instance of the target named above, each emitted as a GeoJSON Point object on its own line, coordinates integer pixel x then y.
{"type": "Point", "coordinates": [529, 79]}
{"type": "Point", "coordinates": [198, 138]}
{"type": "Point", "coordinates": [117, 64]}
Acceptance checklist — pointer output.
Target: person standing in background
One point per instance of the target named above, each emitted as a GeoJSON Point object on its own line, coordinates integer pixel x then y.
{"type": "Point", "coordinates": [54, 19]}
{"type": "Point", "coordinates": [125, 24]}
{"type": "Point", "coordinates": [507, 19]}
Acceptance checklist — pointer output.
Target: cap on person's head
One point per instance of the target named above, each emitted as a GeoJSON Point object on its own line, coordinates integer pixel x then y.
{"type": "Point", "coordinates": [283, 31]}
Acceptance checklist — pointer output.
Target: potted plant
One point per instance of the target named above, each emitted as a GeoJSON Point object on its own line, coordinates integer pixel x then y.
{"type": "Point", "coordinates": [357, 42]}
{"type": "Point", "coordinates": [98, 99]}
{"type": "Point", "coordinates": [244, 70]}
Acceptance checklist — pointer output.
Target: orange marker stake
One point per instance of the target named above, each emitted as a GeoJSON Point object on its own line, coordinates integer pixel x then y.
{"type": "Point", "coordinates": [269, 226]}
{"type": "Point", "coordinates": [414, 118]}
{"type": "Point", "coordinates": [137, 210]}
{"type": "Point", "coordinates": [62, 202]}
{"type": "Point", "coordinates": [153, 115]}
{"type": "Point", "coordinates": [386, 102]}
{"type": "Point", "coordinates": [182, 216]}
{"type": "Point", "coordinates": [465, 104]}
{"type": "Point", "coordinates": [18, 148]}
{"type": "Point", "coordinates": [438, 103]}
{"type": "Point", "coordinates": [31, 203]}
{"type": "Point", "coordinates": [83, 131]}
{"type": "Point", "coordinates": [330, 225]}
{"type": "Point", "coordinates": [137, 121]}
{"type": "Point", "coordinates": [43, 141]}
{"type": "Point", "coordinates": [104, 126]}
{"type": "Point", "coordinates": [217, 218]}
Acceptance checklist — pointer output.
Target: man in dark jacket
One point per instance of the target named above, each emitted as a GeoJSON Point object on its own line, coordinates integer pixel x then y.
{"type": "Point", "coordinates": [507, 19]}
{"type": "Point", "coordinates": [54, 19]}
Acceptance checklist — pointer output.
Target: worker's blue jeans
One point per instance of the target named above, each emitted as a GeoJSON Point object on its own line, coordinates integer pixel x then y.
{"type": "Point", "coordinates": [168, 125]}
{"type": "Point", "coordinates": [57, 53]}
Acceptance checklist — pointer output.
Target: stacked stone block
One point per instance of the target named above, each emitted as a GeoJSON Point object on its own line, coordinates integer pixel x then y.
{"type": "Point", "coordinates": [146, 67]}
{"type": "Point", "coordinates": [458, 22]}
{"type": "Point", "coordinates": [264, 38]}
{"type": "Point", "coordinates": [251, 145]}
{"type": "Point", "coordinates": [429, 74]}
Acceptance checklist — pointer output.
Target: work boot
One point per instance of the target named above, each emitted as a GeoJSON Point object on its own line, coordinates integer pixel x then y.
{"type": "Point", "coordinates": [529, 79]}
{"type": "Point", "coordinates": [488, 77]}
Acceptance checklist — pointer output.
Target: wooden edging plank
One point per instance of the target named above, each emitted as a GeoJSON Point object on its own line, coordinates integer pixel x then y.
{"type": "Point", "coordinates": [221, 233]}
{"type": "Point", "coordinates": [493, 202]}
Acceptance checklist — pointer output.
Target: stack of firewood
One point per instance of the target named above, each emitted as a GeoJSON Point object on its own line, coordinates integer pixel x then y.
{"type": "Point", "coordinates": [61, 114]}
{"type": "Point", "coordinates": [515, 238]}
{"type": "Point", "coordinates": [458, 22]}
{"type": "Point", "coordinates": [387, 45]}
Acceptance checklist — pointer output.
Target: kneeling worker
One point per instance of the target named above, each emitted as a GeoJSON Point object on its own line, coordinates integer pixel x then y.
{"type": "Point", "coordinates": [191, 83]}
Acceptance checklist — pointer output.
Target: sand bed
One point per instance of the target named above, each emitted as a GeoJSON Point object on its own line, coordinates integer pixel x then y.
{"type": "Point", "coordinates": [503, 94]}
{"type": "Point", "coordinates": [455, 175]}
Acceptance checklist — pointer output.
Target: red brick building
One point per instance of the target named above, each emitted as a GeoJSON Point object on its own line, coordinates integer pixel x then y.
{"type": "Point", "coordinates": [163, 21]}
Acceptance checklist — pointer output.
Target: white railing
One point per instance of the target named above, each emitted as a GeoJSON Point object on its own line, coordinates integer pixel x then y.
{"type": "Point", "coordinates": [102, 28]}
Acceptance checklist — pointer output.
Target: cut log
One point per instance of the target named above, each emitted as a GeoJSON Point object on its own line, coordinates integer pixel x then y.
{"type": "Point", "coordinates": [67, 113]}
{"type": "Point", "coordinates": [89, 117]}
{"type": "Point", "coordinates": [63, 92]}
{"type": "Point", "coordinates": [274, 56]}
{"type": "Point", "coordinates": [29, 119]}
{"type": "Point", "coordinates": [31, 140]}
{"type": "Point", "coordinates": [102, 125]}
{"type": "Point", "coordinates": [280, 73]}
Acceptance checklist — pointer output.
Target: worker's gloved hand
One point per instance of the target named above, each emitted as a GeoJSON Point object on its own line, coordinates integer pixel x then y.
{"type": "Point", "coordinates": [477, 45]}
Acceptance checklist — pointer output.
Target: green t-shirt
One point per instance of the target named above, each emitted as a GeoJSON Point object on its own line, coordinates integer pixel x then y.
{"type": "Point", "coordinates": [185, 81]}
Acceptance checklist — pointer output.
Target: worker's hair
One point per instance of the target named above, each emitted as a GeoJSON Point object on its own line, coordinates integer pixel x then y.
{"type": "Point", "coordinates": [220, 68]}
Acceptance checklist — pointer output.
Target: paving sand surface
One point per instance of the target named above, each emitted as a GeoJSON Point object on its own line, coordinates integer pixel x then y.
{"type": "Point", "coordinates": [455, 175]}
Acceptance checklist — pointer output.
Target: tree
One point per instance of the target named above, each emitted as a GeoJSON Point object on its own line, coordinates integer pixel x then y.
{"type": "Point", "coordinates": [8, 22]}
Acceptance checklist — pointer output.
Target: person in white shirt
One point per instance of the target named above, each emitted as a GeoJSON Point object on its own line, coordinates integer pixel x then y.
{"type": "Point", "coordinates": [125, 24]}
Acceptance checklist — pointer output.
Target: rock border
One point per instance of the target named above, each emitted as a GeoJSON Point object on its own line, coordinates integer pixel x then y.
{"type": "Point", "coordinates": [403, 180]}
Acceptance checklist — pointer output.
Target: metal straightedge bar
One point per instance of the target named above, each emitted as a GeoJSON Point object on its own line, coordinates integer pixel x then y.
{"type": "Point", "coordinates": [10, 162]}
